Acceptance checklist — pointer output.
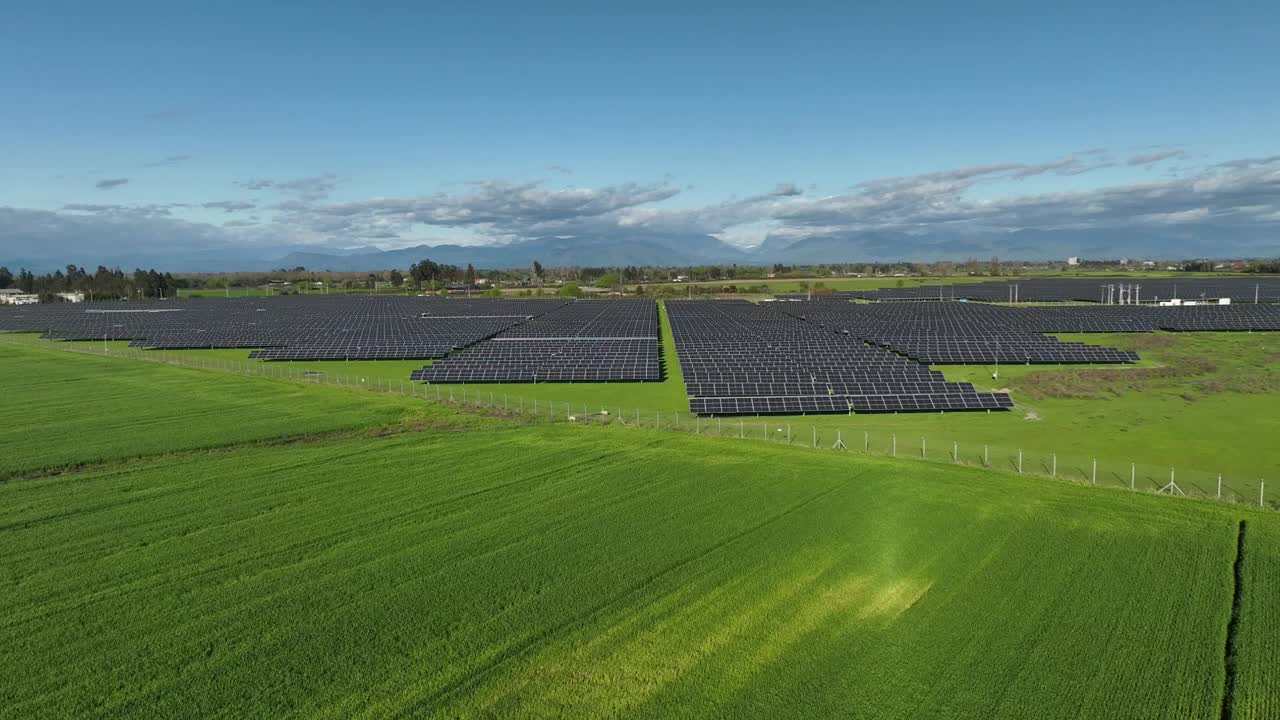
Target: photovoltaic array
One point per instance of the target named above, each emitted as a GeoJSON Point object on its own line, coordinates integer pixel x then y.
{"type": "Point", "coordinates": [965, 333]}
{"type": "Point", "coordinates": [740, 358]}
{"type": "Point", "coordinates": [288, 328]}
{"type": "Point", "coordinates": [794, 356]}
{"type": "Point", "coordinates": [595, 341]}
{"type": "Point", "coordinates": [1149, 289]}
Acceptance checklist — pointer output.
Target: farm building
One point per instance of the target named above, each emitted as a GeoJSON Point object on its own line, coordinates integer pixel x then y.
{"type": "Point", "coordinates": [17, 297]}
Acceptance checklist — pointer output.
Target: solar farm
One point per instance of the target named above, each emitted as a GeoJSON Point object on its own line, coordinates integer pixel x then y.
{"type": "Point", "coordinates": [216, 544]}
{"type": "Point", "coordinates": [791, 357]}
{"type": "Point", "coordinates": [1093, 290]}
{"type": "Point", "coordinates": [297, 545]}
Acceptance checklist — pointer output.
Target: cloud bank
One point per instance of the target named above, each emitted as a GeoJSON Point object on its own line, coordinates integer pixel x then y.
{"type": "Point", "coordinates": [957, 203]}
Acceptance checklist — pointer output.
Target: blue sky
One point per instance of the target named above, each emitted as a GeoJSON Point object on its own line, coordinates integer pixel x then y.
{"type": "Point", "coordinates": [391, 124]}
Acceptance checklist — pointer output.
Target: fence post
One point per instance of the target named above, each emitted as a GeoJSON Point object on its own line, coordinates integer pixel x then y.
{"type": "Point", "coordinates": [741, 429]}
{"type": "Point", "coordinates": [815, 435]}
{"type": "Point", "coordinates": [1095, 471]}
{"type": "Point", "coordinates": [1053, 472]}
{"type": "Point", "coordinates": [866, 441]}
{"type": "Point", "coordinates": [1133, 475]}
{"type": "Point", "coordinates": [955, 452]}
{"type": "Point", "coordinates": [1219, 486]}
{"type": "Point", "coordinates": [986, 457]}
{"type": "Point", "coordinates": [924, 453]}
{"type": "Point", "coordinates": [657, 419]}
{"type": "Point", "coordinates": [894, 444]}
{"type": "Point", "coordinates": [1262, 489]}
{"type": "Point", "coordinates": [1019, 461]}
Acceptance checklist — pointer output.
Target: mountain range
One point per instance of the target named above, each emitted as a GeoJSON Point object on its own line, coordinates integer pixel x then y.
{"type": "Point", "coordinates": [681, 249]}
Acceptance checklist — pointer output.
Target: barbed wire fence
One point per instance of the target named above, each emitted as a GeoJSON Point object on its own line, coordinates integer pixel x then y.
{"type": "Point", "coordinates": [1005, 458]}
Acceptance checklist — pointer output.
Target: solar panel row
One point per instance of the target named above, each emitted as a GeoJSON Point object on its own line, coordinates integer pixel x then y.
{"type": "Point", "coordinates": [615, 340]}
{"type": "Point", "coordinates": [739, 358]}
{"type": "Point", "coordinates": [290, 327]}
{"type": "Point", "coordinates": [1148, 289]}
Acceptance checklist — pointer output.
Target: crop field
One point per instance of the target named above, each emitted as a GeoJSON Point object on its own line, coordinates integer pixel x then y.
{"type": "Point", "coordinates": [69, 409]}
{"type": "Point", "coordinates": [479, 568]}
{"type": "Point", "coordinates": [1256, 655]}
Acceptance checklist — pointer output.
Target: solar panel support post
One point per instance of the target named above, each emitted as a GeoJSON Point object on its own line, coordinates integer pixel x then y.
{"type": "Point", "coordinates": [1053, 471]}
{"type": "Point", "coordinates": [893, 444]}
{"type": "Point", "coordinates": [1019, 461]}
{"type": "Point", "coordinates": [924, 453]}
{"type": "Point", "coordinates": [1095, 471]}
{"type": "Point", "coordinates": [1262, 489]}
{"type": "Point", "coordinates": [1219, 486]}
{"type": "Point", "coordinates": [866, 441]}
{"type": "Point", "coordinates": [955, 452]}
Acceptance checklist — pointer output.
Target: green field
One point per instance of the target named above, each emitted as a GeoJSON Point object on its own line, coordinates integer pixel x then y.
{"type": "Point", "coordinates": [426, 562]}
{"type": "Point", "coordinates": [68, 410]}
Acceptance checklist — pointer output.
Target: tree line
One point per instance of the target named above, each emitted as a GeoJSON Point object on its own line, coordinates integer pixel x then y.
{"type": "Point", "coordinates": [102, 284]}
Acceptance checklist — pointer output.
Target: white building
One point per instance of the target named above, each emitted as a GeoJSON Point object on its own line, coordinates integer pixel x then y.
{"type": "Point", "coordinates": [17, 297]}
{"type": "Point", "coordinates": [1073, 261]}
{"type": "Point", "coordinates": [75, 297]}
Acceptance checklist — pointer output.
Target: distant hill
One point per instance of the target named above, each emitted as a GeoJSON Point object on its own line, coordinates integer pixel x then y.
{"type": "Point", "coordinates": [659, 248]}
{"type": "Point", "coordinates": [638, 249]}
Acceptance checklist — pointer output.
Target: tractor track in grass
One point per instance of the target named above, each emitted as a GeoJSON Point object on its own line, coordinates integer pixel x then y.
{"type": "Point", "coordinates": [376, 431]}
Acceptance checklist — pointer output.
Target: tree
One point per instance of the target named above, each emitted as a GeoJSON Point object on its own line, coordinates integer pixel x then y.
{"type": "Point", "coordinates": [537, 270]}
{"type": "Point", "coordinates": [569, 289]}
{"type": "Point", "coordinates": [470, 277]}
{"type": "Point", "coordinates": [396, 278]}
{"type": "Point", "coordinates": [6, 277]}
{"type": "Point", "coordinates": [608, 280]}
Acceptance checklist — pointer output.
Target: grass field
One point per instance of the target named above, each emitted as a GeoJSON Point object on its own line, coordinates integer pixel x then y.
{"type": "Point", "coordinates": [67, 410]}
{"type": "Point", "coordinates": [484, 569]}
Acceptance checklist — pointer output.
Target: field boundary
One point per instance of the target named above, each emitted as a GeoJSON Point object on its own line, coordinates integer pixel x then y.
{"type": "Point", "coordinates": [1231, 653]}
{"type": "Point", "coordinates": [1007, 460]}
